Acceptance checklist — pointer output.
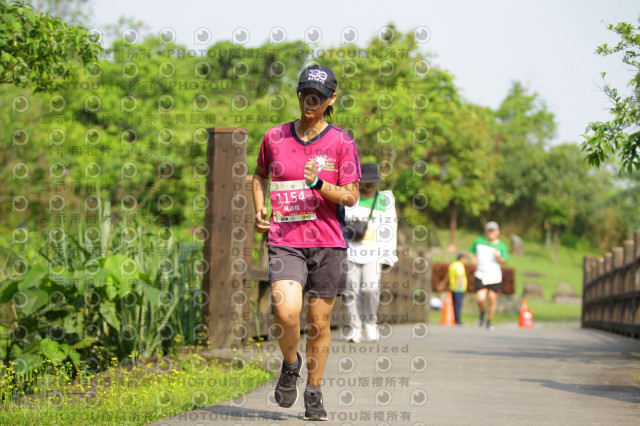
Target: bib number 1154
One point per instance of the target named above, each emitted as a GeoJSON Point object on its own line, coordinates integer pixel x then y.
{"type": "Point", "coordinates": [292, 201]}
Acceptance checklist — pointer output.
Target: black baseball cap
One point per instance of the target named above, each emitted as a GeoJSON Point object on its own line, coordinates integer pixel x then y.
{"type": "Point", "coordinates": [318, 77]}
{"type": "Point", "coordinates": [370, 173]}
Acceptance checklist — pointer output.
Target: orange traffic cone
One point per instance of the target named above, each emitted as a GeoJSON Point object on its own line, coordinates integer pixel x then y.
{"type": "Point", "coordinates": [448, 318]}
{"type": "Point", "coordinates": [526, 316]}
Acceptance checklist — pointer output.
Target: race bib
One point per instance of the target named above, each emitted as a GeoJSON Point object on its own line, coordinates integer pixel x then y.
{"type": "Point", "coordinates": [292, 201]}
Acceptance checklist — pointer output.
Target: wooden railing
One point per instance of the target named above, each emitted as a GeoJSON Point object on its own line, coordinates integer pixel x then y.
{"type": "Point", "coordinates": [611, 290]}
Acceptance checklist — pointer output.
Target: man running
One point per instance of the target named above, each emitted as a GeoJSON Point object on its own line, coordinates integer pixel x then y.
{"type": "Point", "coordinates": [488, 254]}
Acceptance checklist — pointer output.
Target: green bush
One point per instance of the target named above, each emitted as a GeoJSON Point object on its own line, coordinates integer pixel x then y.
{"type": "Point", "coordinates": [101, 294]}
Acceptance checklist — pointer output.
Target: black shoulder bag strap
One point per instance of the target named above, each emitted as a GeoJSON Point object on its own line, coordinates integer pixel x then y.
{"type": "Point", "coordinates": [372, 206]}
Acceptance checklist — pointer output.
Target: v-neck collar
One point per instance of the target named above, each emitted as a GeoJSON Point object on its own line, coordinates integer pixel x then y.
{"type": "Point", "coordinates": [309, 142]}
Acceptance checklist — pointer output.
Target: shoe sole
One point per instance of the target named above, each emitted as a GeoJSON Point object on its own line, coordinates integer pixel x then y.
{"type": "Point", "coordinates": [315, 418]}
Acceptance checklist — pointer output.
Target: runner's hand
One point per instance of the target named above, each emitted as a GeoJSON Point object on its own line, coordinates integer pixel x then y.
{"type": "Point", "coordinates": [310, 171]}
{"type": "Point", "coordinates": [261, 223]}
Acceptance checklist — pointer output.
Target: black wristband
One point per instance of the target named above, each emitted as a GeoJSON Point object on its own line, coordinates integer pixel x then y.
{"type": "Point", "coordinates": [318, 185]}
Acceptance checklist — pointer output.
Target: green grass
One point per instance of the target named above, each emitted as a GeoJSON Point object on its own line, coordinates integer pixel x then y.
{"type": "Point", "coordinates": [552, 312]}
{"type": "Point", "coordinates": [537, 259]}
{"type": "Point", "coordinates": [144, 394]}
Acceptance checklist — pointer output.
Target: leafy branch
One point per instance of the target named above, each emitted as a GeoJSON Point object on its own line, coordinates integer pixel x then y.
{"type": "Point", "coordinates": [41, 50]}
{"type": "Point", "coordinates": [621, 135]}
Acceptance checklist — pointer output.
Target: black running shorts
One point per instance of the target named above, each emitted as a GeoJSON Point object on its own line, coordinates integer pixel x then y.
{"type": "Point", "coordinates": [322, 271]}
{"type": "Point", "coordinates": [496, 288]}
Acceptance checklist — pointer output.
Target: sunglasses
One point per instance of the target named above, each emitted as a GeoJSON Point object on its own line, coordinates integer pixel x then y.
{"type": "Point", "coordinates": [311, 97]}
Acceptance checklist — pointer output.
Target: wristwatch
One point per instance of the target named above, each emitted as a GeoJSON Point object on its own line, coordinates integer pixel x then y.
{"type": "Point", "coordinates": [317, 184]}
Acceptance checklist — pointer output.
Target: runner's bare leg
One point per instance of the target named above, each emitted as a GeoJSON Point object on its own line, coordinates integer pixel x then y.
{"type": "Point", "coordinates": [493, 303]}
{"type": "Point", "coordinates": [318, 337]}
{"type": "Point", "coordinates": [481, 296]}
{"type": "Point", "coordinates": [287, 301]}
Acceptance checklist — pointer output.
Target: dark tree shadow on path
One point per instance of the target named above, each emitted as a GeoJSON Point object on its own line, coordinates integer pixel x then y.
{"type": "Point", "coordinates": [619, 393]}
{"type": "Point", "coordinates": [248, 414]}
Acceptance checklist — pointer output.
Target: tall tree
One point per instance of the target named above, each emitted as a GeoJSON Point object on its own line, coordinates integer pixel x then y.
{"type": "Point", "coordinates": [562, 190]}
{"type": "Point", "coordinates": [523, 126]}
{"type": "Point", "coordinates": [410, 118]}
{"type": "Point", "coordinates": [471, 165]}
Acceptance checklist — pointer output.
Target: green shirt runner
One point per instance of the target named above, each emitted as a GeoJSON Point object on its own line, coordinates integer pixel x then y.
{"type": "Point", "coordinates": [488, 269]}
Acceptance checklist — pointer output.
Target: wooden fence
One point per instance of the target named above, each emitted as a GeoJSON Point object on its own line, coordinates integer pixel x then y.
{"type": "Point", "coordinates": [611, 290]}
{"type": "Point", "coordinates": [237, 305]}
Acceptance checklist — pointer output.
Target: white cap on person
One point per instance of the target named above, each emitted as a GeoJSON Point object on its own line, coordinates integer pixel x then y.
{"type": "Point", "coordinates": [491, 226]}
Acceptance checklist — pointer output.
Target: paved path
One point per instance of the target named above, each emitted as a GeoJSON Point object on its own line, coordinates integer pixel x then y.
{"type": "Point", "coordinates": [461, 375]}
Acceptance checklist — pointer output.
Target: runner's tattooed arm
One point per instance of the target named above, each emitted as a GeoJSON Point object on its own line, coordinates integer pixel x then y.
{"type": "Point", "coordinates": [346, 195]}
{"type": "Point", "coordinates": [259, 188]}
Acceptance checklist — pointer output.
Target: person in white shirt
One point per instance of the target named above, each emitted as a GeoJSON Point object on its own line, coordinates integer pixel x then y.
{"type": "Point", "coordinates": [488, 254]}
{"type": "Point", "coordinates": [369, 252]}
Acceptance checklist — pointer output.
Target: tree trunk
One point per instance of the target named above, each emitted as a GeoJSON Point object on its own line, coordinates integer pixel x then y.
{"type": "Point", "coordinates": [453, 224]}
{"type": "Point", "coordinates": [556, 238]}
{"type": "Point", "coordinates": [547, 240]}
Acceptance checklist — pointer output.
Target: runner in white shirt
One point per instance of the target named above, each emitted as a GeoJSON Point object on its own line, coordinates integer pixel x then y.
{"type": "Point", "coordinates": [376, 250]}
{"type": "Point", "coordinates": [488, 253]}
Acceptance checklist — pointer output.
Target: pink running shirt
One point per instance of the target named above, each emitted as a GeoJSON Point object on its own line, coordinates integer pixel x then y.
{"type": "Point", "coordinates": [301, 216]}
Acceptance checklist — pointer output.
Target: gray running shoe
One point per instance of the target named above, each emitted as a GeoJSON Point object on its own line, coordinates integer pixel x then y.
{"type": "Point", "coordinates": [314, 410]}
{"type": "Point", "coordinates": [286, 393]}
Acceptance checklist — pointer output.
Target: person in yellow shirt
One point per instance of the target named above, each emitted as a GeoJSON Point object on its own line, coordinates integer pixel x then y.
{"type": "Point", "coordinates": [458, 285]}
